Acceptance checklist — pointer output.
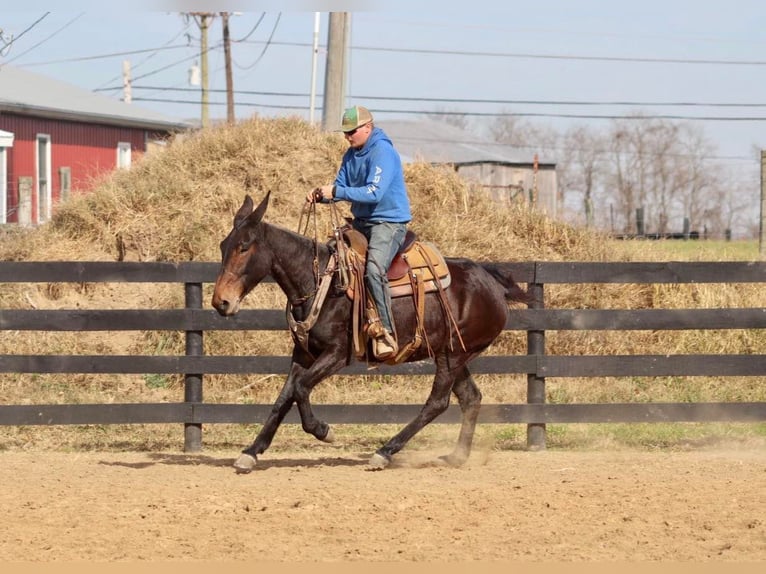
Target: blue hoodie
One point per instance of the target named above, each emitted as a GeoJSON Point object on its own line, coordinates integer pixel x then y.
{"type": "Point", "coordinates": [371, 178]}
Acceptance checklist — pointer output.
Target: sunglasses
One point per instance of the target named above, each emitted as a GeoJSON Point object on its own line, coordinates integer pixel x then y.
{"type": "Point", "coordinates": [352, 132]}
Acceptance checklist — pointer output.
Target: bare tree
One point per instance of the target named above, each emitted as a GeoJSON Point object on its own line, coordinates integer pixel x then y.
{"type": "Point", "coordinates": [452, 118]}
{"type": "Point", "coordinates": [733, 207]}
{"type": "Point", "coordinates": [658, 168]}
{"type": "Point", "coordinates": [518, 132]}
{"type": "Point", "coordinates": [666, 173]}
{"type": "Point", "coordinates": [581, 163]}
{"type": "Point", "coordinates": [702, 178]}
{"type": "Point", "coordinates": [621, 178]}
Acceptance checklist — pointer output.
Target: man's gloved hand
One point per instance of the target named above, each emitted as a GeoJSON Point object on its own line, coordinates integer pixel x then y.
{"type": "Point", "coordinates": [320, 193]}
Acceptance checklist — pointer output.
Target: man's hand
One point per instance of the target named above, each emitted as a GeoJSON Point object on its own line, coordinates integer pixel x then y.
{"type": "Point", "coordinates": [320, 193]}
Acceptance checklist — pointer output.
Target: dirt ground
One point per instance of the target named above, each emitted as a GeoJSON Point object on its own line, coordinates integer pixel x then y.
{"type": "Point", "coordinates": [323, 506]}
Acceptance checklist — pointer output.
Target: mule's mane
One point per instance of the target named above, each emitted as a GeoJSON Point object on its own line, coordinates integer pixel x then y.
{"type": "Point", "coordinates": [297, 261]}
{"type": "Point", "coordinates": [305, 243]}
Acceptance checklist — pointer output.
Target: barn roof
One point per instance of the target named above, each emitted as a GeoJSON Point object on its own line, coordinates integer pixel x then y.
{"type": "Point", "coordinates": [27, 93]}
{"type": "Point", "coordinates": [436, 141]}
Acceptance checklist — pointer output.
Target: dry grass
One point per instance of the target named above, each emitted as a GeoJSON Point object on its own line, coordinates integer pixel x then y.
{"type": "Point", "coordinates": [176, 205]}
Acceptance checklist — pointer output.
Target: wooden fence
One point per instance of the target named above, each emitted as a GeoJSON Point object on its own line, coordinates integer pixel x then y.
{"type": "Point", "coordinates": [196, 318]}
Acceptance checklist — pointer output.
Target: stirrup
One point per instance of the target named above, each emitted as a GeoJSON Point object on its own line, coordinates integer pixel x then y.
{"type": "Point", "coordinates": [384, 346]}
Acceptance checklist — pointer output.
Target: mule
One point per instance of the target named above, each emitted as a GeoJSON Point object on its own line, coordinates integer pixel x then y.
{"type": "Point", "coordinates": [478, 297]}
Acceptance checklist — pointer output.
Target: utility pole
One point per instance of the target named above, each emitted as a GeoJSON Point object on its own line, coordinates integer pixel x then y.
{"type": "Point", "coordinates": [335, 70]}
{"type": "Point", "coordinates": [314, 56]}
{"type": "Point", "coordinates": [204, 24]}
{"type": "Point", "coordinates": [229, 80]}
{"type": "Point", "coordinates": [126, 90]}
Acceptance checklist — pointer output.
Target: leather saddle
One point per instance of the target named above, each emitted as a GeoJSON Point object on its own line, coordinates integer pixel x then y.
{"type": "Point", "coordinates": [418, 268]}
{"type": "Point", "coordinates": [416, 261]}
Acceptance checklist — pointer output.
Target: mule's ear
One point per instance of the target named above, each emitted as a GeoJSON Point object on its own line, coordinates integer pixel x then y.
{"type": "Point", "coordinates": [261, 209]}
{"type": "Point", "coordinates": [245, 210]}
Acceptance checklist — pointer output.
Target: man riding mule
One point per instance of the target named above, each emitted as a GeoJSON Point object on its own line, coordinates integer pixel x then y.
{"type": "Point", "coordinates": [477, 298]}
{"type": "Point", "coordinates": [371, 179]}
{"type": "Point", "coordinates": [416, 270]}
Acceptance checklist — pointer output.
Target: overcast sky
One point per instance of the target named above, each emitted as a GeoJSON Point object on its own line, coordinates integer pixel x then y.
{"type": "Point", "coordinates": [557, 62]}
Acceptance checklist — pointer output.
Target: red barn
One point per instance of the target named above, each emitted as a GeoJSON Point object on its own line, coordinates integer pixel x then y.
{"type": "Point", "coordinates": [56, 139]}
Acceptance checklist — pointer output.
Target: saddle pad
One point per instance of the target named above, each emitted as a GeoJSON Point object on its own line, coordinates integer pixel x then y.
{"type": "Point", "coordinates": [417, 258]}
{"type": "Point", "coordinates": [399, 280]}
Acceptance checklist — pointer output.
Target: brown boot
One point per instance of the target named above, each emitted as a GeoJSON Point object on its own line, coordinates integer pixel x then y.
{"type": "Point", "coordinates": [384, 347]}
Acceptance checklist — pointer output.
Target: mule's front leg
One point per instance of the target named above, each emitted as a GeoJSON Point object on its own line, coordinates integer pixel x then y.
{"type": "Point", "coordinates": [297, 389]}
{"type": "Point", "coordinates": [247, 460]}
{"type": "Point", "coordinates": [329, 362]}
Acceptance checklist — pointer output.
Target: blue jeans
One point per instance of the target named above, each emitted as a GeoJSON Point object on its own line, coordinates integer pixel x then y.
{"type": "Point", "coordinates": [383, 241]}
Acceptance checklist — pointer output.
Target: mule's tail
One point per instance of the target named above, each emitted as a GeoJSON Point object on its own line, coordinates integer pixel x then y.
{"type": "Point", "coordinates": [502, 275]}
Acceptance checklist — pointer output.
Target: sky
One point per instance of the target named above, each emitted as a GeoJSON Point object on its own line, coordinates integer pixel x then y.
{"type": "Point", "coordinates": [557, 63]}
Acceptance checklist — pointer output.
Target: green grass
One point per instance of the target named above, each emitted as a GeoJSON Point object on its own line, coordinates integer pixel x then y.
{"type": "Point", "coordinates": [156, 381]}
{"type": "Point", "coordinates": [697, 250]}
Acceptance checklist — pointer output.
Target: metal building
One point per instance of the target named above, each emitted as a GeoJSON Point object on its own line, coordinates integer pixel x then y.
{"type": "Point", "coordinates": [56, 138]}
{"type": "Point", "coordinates": [505, 172]}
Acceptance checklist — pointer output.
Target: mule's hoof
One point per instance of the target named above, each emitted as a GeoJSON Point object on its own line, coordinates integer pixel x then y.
{"type": "Point", "coordinates": [245, 463]}
{"type": "Point", "coordinates": [330, 436]}
{"type": "Point", "coordinates": [453, 460]}
{"type": "Point", "coordinates": [378, 462]}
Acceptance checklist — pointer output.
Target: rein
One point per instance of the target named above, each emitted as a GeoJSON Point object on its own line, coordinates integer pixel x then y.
{"type": "Point", "coordinates": [300, 329]}
{"type": "Point", "coordinates": [309, 211]}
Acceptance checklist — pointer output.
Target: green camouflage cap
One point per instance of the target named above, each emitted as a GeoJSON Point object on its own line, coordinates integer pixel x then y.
{"type": "Point", "coordinates": [354, 117]}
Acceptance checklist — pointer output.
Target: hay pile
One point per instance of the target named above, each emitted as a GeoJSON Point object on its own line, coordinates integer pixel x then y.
{"type": "Point", "coordinates": [177, 204]}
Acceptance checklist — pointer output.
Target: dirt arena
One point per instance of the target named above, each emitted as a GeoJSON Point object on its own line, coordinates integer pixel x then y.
{"type": "Point", "coordinates": [322, 505]}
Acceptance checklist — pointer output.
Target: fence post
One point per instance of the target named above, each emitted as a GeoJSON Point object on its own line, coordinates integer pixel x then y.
{"type": "Point", "coordinates": [193, 382]}
{"type": "Point", "coordinates": [535, 383]}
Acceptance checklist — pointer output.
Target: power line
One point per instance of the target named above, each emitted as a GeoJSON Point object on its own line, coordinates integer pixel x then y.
{"type": "Point", "coordinates": [527, 55]}
{"type": "Point", "coordinates": [496, 114]}
{"type": "Point", "coordinates": [173, 64]}
{"type": "Point", "coordinates": [271, 42]}
{"type": "Point", "coordinates": [149, 57]}
{"type": "Point", "coordinates": [620, 59]}
{"type": "Point", "coordinates": [27, 29]}
{"type": "Point", "coordinates": [487, 114]}
{"type": "Point", "coordinates": [41, 42]}
{"type": "Point", "coordinates": [196, 103]}
{"type": "Point", "coordinates": [421, 112]}
{"type": "Point", "coordinates": [252, 30]}
{"type": "Point", "coordinates": [104, 56]}
{"type": "Point", "coordinates": [266, 47]}
{"type": "Point", "coordinates": [522, 55]}
{"type": "Point", "coordinates": [485, 101]}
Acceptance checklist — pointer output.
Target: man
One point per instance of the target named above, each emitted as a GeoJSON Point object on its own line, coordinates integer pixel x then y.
{"type": "Point", "coordinates": [371, 179]}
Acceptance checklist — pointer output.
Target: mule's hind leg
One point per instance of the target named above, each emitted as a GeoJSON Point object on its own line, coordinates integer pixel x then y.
{"type": "Point", "coordinates": [469, 397]}
{"type": "Point", "coordinates": [446, 369]}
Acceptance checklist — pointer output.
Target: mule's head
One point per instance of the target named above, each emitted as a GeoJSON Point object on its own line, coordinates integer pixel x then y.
{"type": "Point", "coordinates": [245, 260]}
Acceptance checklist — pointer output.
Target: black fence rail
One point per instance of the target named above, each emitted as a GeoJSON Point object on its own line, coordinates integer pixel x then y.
{"type": "Point", "coordinates": [194, 319]}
